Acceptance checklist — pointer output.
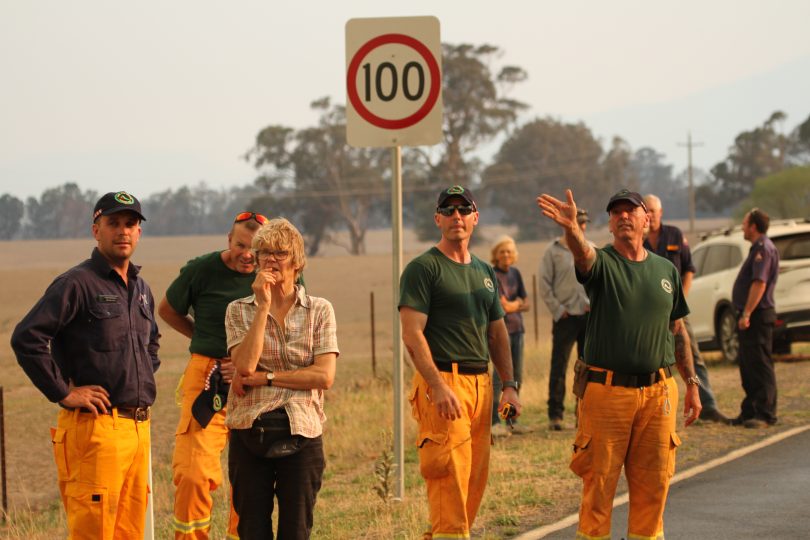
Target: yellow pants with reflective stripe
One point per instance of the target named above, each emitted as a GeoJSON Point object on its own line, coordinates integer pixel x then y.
{"type": "Point", "coordinates": [196, 460]}
{"type": "Point", "coordinates": [102, 465]}
{"type": "Point", "coordinates": [632, 428]}
{"type": "Point", "coordinates": [454, 455]}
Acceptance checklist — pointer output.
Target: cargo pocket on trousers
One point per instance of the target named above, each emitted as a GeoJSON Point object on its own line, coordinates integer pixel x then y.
{"type": "Point", "coordinates": [434, 458]}
{"type": "Point", "coordinates": [674, 443]}
{"type": "Point", "coordinates": [86, 508]}
{"type": "Point", "coordinates": [184, 423]}
{"type": "Point", "coordinates": [581, 459]}
{"type": "Point", "coordinates": [58, 436]}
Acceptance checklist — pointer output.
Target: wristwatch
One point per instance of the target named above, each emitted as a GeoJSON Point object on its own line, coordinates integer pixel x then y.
{"type": "Point", "coordinates": [509, 384]}
{"type": "Point", "coordinates": [270, 377]}
{"type": "Point", "coordinates": [695, 380]}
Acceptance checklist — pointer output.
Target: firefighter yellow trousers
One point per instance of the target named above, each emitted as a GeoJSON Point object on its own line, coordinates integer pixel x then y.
{"type": "Point", "coordinates": [454, 455]}
{"type": "Point", "coordinates": [196, 460]}
{"type": "Point", "coordinates": [632, 428]}
{"type": "Point", "coordinates": [102, 466]}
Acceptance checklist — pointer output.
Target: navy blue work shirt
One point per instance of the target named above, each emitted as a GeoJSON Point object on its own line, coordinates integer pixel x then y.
{"type": "Point", "coordinates": [92, 328]}
{"type": "Point", "coordinates": [673, 246]}
{"type": "Point", "coordinates": [762, 264]}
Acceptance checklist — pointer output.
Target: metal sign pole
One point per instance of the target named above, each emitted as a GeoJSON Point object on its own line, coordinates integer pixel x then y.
{"type": "Point", "coordinates": [149, 528]}
{"type": "Point", "coordinates": [396, 242]}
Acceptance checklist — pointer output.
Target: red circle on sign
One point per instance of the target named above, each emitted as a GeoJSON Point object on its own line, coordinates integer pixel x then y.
{"type": "Point", "coordinates": [433, 94]}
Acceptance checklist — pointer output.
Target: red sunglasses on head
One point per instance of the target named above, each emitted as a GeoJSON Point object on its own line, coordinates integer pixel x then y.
{"type": "Point", "coordinates": [245, 216]}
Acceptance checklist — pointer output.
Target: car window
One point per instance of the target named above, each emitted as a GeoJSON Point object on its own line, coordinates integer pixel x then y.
{"type": "Point", "coordinates": [698, 256]}
{"type": "Point", "coordinates": [796, 246]}
{"type": "Point", "coordinates": [735, 256]}
{"type": "Point", "coordinates": [718, 258]}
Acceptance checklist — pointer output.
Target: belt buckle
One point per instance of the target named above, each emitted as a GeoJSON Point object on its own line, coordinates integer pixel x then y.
{"type": "Point", "coordinates": [141, 414]}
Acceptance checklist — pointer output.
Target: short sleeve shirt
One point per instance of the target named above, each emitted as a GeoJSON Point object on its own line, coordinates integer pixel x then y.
{"type": "Point", "coordinates": [762, 264]}
{"type": "Point", "coordinates": [460, 301]}
{"type": "Point", "coordinates": [205, 287]}
{"type": "Point", "coordinates": [632, 306]}
{"type": "Point", "coordinates": [510, 285]}
{"type": "Point", "coordinates": [309, 330]}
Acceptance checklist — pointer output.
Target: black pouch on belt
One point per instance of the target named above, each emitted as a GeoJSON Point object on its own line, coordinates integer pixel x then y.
{"type": "Point", "coordinates": [270, 436]}
{"type": "Point", "coordinates": [580, 378]}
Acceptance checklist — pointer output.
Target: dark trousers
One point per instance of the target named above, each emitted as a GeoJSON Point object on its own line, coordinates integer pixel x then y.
{"type": "Point", "coordinates": [564, 333]}
{"type": "Point", "coordinates": [256, 480]}
{"type": "Point", "coordinates": [756, 367]}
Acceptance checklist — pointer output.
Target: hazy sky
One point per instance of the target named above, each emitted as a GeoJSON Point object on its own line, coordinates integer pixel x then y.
{"type": "Point", "coordinates": [150, 95]}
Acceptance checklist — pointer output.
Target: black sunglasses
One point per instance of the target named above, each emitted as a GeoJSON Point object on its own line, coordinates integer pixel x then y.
{"type": "Point", "coordinates": [449, 210]}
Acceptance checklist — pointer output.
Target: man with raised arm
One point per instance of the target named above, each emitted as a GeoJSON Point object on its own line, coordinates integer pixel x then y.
{"type": "Point", "coordinates": [628, 396]}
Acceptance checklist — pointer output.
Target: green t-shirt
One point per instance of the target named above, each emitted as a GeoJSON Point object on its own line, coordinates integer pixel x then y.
{"type": "Point", "coordinates": [632, 305]}
{"type": "Point", "coordinates": [206, 286]}
{"type": "Point", "coordinates": [460, 301]}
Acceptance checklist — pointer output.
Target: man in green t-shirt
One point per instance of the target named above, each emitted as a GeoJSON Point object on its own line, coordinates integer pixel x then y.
{"type": "Point", "coordinates": [452, 323]}
{"type": "Point", "coordinates": [626, 413]}
{"type": "Point", "coordinates": [204, 288]}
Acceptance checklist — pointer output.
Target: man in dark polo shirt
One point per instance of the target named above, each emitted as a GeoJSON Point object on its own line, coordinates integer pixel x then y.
{"type": "Point", "coordinates": [669, 242]}
{"type": "Point", "coordinates": [628, 397]}
{"type": "Point", "coordinates": [452, 324]}
{"type": "Point", "coordinates": [90, 344]}
{"type": "Point", "coordinates": [752, 296]}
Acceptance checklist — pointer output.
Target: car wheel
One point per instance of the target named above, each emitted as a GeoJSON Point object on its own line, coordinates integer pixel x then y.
{"type": "Point", "coordinates": [728, 336]}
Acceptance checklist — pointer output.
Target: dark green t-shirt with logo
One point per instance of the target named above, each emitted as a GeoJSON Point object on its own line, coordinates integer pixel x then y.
{"type": "Point", "coordinates": [460, 300]}
{"type": "Point", "coordinates": [205, 287]}
{"type": "Point", "coordinates": [632, 305]}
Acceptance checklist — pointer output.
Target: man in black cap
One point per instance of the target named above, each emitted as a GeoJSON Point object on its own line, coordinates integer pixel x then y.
{"type": "Point", "coordinates": [90, 344]}
{"type": "Point", "coordinates": [628, 396]}
{"type": "Point", "coordinates": [569, 306]}
{"type": "Point", "coordinates": [452, 323]}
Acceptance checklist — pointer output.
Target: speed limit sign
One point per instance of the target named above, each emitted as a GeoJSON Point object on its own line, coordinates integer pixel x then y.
{"type": "Point", "coordinates": [393, 81]}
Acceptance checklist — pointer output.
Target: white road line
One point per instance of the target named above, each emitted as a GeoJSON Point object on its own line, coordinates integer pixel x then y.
{"type": "Point", "coordinates": [567, 521]}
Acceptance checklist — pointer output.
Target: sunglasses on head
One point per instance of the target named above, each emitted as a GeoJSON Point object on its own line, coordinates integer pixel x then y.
{"type": "Point", "coordinates": [245, 216]}
{"type": "Point", "coordinates": [450, 209]}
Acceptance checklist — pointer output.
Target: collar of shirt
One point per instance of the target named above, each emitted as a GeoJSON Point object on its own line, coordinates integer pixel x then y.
{"type": "Point", "coordinates": [103, 268]}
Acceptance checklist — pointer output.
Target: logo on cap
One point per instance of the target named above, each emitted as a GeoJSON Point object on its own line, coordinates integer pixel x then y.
{"type": "Point", "coordinates": [124, 198]}
{"type": "Point", "coordinates": [455, 190]}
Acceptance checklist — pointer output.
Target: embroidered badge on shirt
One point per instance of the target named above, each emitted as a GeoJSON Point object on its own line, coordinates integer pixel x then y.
{"type": "Point", "coordinates": [489, 285]}
{"type": "Point", "coordinates": [666, 285]}
{"type": "Point", "coordinates": [758, 257]}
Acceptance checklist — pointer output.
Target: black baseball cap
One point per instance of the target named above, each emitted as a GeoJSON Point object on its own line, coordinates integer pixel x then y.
{"type": "Point", "coordinates": [629, 196]}
{"type": "Point", "coordinates": [582, 216]}
{"type": "Point", "coordinates": [456, 191]}
{"type": "Point", "coordinates": [118, 201]}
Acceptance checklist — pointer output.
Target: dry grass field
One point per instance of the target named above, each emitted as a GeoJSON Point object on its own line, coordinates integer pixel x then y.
{"type": "Point", "coordinates": [530, 484]}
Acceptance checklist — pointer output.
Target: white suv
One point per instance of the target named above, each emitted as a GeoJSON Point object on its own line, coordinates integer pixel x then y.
{"type": "Point", "coordinates": [718, 259]}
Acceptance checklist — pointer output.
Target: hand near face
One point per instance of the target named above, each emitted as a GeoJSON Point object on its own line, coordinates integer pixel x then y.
{"type": "Point", "coordinates": [261, 287]}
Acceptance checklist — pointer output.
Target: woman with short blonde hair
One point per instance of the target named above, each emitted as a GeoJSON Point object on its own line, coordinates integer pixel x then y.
{"type": "Point", "coordinates": [504, 255]}
{"type": "Point", "coordinates": [283, 343]}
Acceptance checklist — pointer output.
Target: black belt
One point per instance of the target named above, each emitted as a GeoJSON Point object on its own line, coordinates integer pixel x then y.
{"type": "Point", "coordinates": [447, 367]}
{"type": "Point", "coordinates": [629, 381]}
{"type": "Point", "coordinates": [139, 414]}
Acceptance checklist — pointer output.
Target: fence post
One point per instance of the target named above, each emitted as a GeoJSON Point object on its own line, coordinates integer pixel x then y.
{"type": "Point", "coordinates": [534, 307]}
{"type": "Point", "coordinates": [3, 455]}
{"type": "Point", "coordinates": [373, 340]}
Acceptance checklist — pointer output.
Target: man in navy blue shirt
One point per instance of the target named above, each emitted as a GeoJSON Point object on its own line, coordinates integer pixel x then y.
{"type": "Point", "coordinates": [91, 345]}
{"type": "Point", "coordinates": [669, 242]}
{"type": "Point", "coordinates": [752, 296]}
